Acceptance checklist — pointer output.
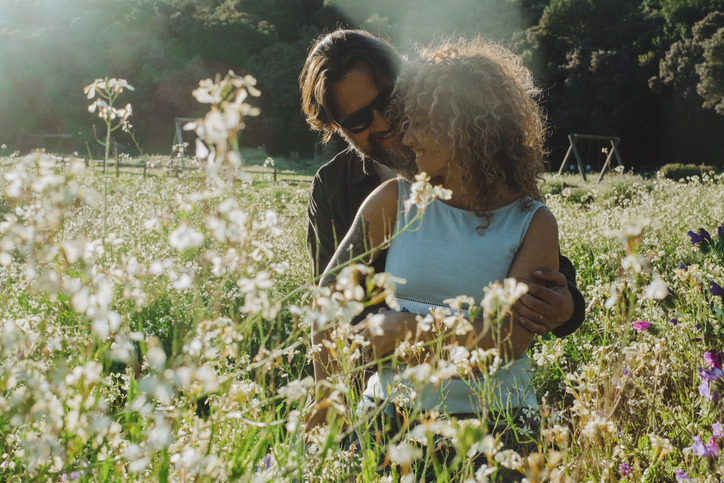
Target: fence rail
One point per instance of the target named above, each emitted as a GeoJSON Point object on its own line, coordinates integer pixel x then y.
{"type": "Point", "coordinates": [178, 169]}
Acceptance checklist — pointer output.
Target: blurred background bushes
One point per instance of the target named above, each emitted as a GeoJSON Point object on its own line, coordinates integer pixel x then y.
{"type": "Point", "coordinates": [648, 71]}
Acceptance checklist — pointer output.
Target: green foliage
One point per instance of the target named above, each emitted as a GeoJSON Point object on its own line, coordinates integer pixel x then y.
{"type": "Point", "coordinates": [648, 71]}
{"type": "Point", "coordinates": [553, 187]}
{"type": "Point", "coordinates": [677, 171]}
{"type": "Point", "coordinates": [410, 21]}
{"type": "Point", "coordinates": [163, 47]}
{"type": "Point", "coordinates": [711, 71]}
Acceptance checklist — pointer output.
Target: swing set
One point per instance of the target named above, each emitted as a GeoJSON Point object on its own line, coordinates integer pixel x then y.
{"type": "Point", "coordinates": [573, 138]}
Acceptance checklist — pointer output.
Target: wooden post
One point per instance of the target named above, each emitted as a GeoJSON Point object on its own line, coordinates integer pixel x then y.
{"type": "Point", "coordinates": [275, 175]}
{"type": "Point", "coordinates": [614, 151]}
{"type": "Point", "coordinates": [115, 155]}
{"type": "Point", "coordinates": [144, 168]}
{"type": "Point", "coordinates": [574, 139]}
{"type": "Point", "coordinates": [565, 159]}
{"type": "Point", "coordinates": [180, 143]}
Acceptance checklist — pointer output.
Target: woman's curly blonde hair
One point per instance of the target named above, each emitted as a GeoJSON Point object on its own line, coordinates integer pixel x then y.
{"type": "Point", "coordinates": [479, 97]}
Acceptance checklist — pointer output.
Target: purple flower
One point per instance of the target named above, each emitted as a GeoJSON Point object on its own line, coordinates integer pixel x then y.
{"type": "Point", "coordinates": [716, 430]}
{"type": "Point", "coordinates": [695, 238]}
{"type": "Point", "coordinates": [712, 359]}
{"type": "Point", "coordinates": [715, 289]}
{"type": "Point", "coordinates": [681, 476]}
{"type": "Point", "coordinates": [684, 266]}
{"type": "Point", "coordinates": [710, 375]}
{"type": "Point", "coordinates": [708, 450]}
{"type": "Point", "coordinates": [641, 326]}
{"type": "Point", "coordinates": [720, 231]}
{"type": "Point", "coordinates": [625, 372]}
{"type": "Point", "coordinates": [624, 469]}
{"type": "Point", "coordinates": [674, 321]}
{"type": "Point", "coordinates": [704, 391]}
{"type": "Point", "coordinates": [712, 448]}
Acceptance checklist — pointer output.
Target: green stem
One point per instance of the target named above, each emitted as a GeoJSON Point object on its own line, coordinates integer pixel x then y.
{"type": "Point", "coordinates": [105, 176]}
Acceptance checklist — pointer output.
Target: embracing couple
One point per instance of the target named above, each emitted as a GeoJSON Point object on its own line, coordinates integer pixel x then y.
{"type": "Point", "coordinates": [463, 112]}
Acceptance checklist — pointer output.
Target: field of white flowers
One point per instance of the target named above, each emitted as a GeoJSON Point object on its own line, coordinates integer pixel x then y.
{"type": "Point", "coordinates": [157, 329]}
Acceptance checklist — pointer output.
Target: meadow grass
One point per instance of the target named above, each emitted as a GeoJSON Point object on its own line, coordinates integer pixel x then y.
{"type": "Point", "coordinates": [158, 329]}
{"type": "Point", "coordinates": [175, 346]}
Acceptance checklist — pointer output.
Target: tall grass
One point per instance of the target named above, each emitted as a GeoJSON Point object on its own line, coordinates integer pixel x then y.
{"type": "Point", "coordinates": [174, 345]}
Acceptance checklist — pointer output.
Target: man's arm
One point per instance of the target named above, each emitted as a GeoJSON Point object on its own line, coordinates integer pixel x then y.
{"type": "Point", "coordinates": [554, 304]}
{"type": "Point", "coordinates": [579, 304]}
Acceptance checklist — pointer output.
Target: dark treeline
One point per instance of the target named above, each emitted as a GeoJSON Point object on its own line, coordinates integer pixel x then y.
{"type": "Point", "coordinates": [648, 71]}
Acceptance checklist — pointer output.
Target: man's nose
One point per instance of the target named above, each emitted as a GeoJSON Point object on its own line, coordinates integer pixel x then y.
{"type": "Point", "coordinates": [379, 123]}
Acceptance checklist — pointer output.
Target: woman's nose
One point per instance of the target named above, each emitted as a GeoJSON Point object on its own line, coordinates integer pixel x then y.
{"type": "Point", "coordinates": [408, 138]}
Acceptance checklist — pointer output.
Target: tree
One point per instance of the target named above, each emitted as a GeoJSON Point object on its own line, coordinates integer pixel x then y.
{"type": "Point", "coordinates": [690, 83]}
{"type": "Point", "coordinates": [586, 56]}
{"type": "Point", "coordinates": [711, 70]}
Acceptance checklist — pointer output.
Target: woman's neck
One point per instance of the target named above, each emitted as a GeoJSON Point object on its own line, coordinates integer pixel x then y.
{"type": "Point", "coordinates": [458, 200]}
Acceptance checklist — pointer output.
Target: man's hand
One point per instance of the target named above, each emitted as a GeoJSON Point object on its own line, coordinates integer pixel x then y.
{"type": "Point", "coordinates": [547, 304]}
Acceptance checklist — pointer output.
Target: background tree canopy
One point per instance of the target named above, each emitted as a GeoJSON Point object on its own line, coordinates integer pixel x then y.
{"type": "Point", "coordinates": [649, 71]}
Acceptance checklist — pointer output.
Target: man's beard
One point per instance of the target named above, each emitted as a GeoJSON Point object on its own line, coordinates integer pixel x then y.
{"type": "Point", "coordinates": [397, 157]}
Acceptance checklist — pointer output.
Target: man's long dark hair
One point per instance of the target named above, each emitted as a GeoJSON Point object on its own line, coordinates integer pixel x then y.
{"type": "Point", "coordinates": [332, 57]}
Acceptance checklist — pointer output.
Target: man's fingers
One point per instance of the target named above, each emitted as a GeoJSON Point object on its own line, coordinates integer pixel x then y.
{"type": "Point", "coordinates": [551, 276]}
{"type": "Point", "coordinates": [532, 327]}
{"type": "Point", "coordinates": [547, 295]}
{"type": "Point", "coordinates": [534, 303]}
{"type": "Point", "coordinates": [531, 308]}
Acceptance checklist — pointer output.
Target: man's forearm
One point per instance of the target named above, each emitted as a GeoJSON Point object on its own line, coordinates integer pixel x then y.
{"type": "Point", "coordinates": [579, 304]}
{"type": "Point", "coordinates": [579, 314]}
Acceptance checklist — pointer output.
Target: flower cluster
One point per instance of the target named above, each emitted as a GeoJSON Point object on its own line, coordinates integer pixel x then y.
{"type": "Point", "coordinates": [422, 193]}
{"type": "Point", "coordinates": [217, 132]}
{"type": "Point", "coordinates": [108, 90]}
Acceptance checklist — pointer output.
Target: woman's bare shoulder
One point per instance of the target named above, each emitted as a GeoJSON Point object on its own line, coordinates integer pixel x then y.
{"type": "Point", "coordinates": [544, 219]}
{"type": "Point", "coordinates": [384, 197]}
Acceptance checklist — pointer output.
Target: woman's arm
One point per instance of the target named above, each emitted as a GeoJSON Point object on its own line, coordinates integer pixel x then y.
{"type": "Point", "coordinates": [372, 227]}
{"type": "Point", "coordinates": [539, 250]}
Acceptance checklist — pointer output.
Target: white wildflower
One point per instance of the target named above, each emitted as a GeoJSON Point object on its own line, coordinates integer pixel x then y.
{"type": "Point", "coordinates": [422, 193]}
{"type": "Point", "coordinates": [661, 446]}
{"type": "Point", "coordinates": [510, 459]}
{"type": "Point", "coordinates": [183, 282]}
{"type": "Point", "coordinates": [481, 476]}
{"type": "Point", "coordinates": [403, 454]}
{"type": "Point", "coordinates": [499, 298]}
{"type": "Point", "coordinates": [184, 237]}
{"type": "Point", "coordinates": [296, 389]}
{"type": "Point", "coordinates": [657, 290]}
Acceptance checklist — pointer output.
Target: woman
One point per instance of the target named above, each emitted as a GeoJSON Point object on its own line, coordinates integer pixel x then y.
{"type": "Point", "coordinates": [468, 112]}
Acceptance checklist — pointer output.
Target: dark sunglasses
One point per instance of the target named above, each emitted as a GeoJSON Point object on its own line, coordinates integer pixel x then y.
{"type": "Point", "coordinates": [361, 119]}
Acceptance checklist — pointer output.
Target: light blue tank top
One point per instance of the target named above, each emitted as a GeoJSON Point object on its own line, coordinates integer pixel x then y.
{"type": "Point", "coordinates": [443, 256]}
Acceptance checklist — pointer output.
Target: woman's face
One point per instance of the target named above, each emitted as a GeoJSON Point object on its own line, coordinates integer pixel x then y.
{"type": "Point", "coordinates": [431, 156]}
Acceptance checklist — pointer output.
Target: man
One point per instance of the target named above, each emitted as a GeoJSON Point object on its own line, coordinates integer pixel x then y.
{"type": "Point", "coordinates": [346, 84]}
